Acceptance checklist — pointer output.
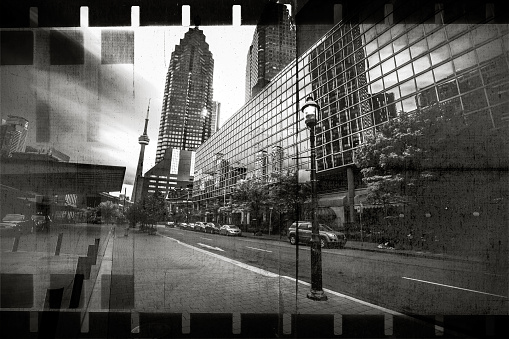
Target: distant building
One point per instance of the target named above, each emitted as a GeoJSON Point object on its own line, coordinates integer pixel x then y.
{"type": "Point", "coordinates": [188, 116]}
{"type": "Point", "coordinates": [13, 135]}
{"type": "Point", "coordinates": [175, 171]}
{"type": "Point", "coordinates": [273, 48]}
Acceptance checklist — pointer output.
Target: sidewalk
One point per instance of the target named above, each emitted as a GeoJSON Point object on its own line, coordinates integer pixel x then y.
{"type": "Point", "coordinates": [154, 286]}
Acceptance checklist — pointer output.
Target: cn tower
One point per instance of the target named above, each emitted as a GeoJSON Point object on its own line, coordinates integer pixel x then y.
{"type": "Point", "coordinates": [143, 140]}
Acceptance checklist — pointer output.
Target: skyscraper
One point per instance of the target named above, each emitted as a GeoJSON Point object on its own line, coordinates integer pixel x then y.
{"type": "Point", "coordinates": [187, 110]}
{"type": "Point", "coordinates": [273, 48]}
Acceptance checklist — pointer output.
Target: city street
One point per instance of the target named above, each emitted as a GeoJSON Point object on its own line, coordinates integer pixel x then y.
{"type": "Point", "coordinates": [408, 284]}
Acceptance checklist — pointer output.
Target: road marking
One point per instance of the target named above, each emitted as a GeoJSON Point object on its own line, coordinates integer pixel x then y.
{"type": "Point", "coordinates": [231, 261]}
{"type": "Point", "coordinates": [205, 238]}
{"type": "Point", "coordinates": [458, 288]}
{"type": "Point", "coordinates": [211, 247]}
{"type": "Point", "coordinates": [258, 249]}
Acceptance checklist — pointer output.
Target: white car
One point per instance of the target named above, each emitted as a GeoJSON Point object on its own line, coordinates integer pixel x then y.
{"type": "Point", "coordinates": [230, 230]}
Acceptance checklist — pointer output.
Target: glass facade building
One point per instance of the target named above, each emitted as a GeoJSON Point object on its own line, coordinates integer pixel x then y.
{"type": "Point", "coordinates": [187, 114]}
{"type": "Point", "coordinates": [362, 74]}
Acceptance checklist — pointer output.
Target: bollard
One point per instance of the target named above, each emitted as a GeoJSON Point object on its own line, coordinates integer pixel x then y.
{"type": "Point", "coordinates": [59, 243]}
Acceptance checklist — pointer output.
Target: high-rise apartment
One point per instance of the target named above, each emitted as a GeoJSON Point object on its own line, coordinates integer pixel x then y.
{"type": "Point", "coordinates": [187, 111]}
{"type": "Point", "coordinates": [273, 48]}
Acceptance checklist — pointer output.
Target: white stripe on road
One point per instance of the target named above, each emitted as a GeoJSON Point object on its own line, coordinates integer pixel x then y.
{"type": "Point", "coordinates": [458, 288]}
{"type": "Point", "coordinates": [258, 249]}
{"type": "Point", "coordinates": [205, 238]}
{"type": "Point", "coordinates": [274, 275]}
{"type": "Point", "coordinates": [211, 247]}
{"type": "Point", "coordinates": [231, 261]}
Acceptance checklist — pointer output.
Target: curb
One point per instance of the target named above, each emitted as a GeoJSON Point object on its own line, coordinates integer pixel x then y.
{"type": "Point", "coordinates": [395, 252]}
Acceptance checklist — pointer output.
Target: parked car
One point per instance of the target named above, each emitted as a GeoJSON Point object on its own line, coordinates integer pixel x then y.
{"type": "Point", "coordinates": [328, 237]}
{"type": "Point", "coordinates": [183, 225]}
{"type": "Point", "coordinates": [199, 226]}
{"type": "Point", "coordinates": [191, 226]}
{"type": "Point", "coordinates": [14, 222]}
{"type": "Point", "coordinates": [42, 223]}
{"type": "Point", "coordinates": [170, 224]}
{"type": "Point", "coordinates": [212, 228]}
{"type": "Point", "coordinates": [230, 230]}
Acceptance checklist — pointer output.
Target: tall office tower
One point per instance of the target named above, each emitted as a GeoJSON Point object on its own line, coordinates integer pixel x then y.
{"type": "Point", "coordinates": [13, 135]}
{"type": "Point", "coordinates": [143, 140]}
{"type": "Point", "coordinates": [273, 48]}
{"type": "Point", "coordinates": [186, 116]}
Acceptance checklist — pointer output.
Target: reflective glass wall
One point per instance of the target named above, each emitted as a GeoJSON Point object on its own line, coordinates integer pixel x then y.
{"type": "Point", "coordinates": [362, 75]}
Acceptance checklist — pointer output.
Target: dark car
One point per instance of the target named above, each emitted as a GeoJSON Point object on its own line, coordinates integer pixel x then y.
{"type": "Point", "coordinates": [328, 237]}
{"type": "Point", "coordinates": [212, 228]}
{"type": "Point", "coordinates": [15, 223]}
{"type": "Point", "coordinates": [199, 226]}
{"type": "Point", "coordinates": [41, 222]}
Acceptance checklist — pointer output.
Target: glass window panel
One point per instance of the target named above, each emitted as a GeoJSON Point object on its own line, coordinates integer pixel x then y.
{"type": "Point", "coordinates": [469, 81]}
{"type": "Point", "coordinates": [376, 87]}
{"type": "Point", "coordinates": [415, 34]}
{"type": "Point", "coordinates": [409, 104]}
{"type": "Point", "coordinates": [407, 87]}
{"type": "Point", "coordinates": [386, 52]}
{"type": "Point", "coordinates": [400, 43]}
{"type": "Point", "coordinates": [375, 73]}
{"type": "Point", "coordinates": [443, 71]}
{"type": "Point", "coordinates": [388, 66]}
{"type": "Point", "coordinates": [373, 60]}
{"type": "Point", "coordinates": [402, 57]}
{"type": "Point", "coordinates": [390, 79]}
{"type": "Point", "coordinates": [490, 50]}
{"type": "Point", "coordinates": [405, 72]}
{"type": "Point", "coordinates": [371, 47]}
{"type": "Point", "coordinates": [447, 90]}
{"type": "Point", "coordinates": [455, 29]}
{"type": "Point", "coordinates": [465, 61]}
{"type": "Point", "coordinates": [385, 37]}
{"type": "Point", "coordinates": [421, 64]}
{"type": "Point", "coordinates": [419, 48]}
{"type": "Point", "coordinates": [498, 93]}
{"type": "Point", "coordinates": [460, 44]}
{"type": "Point", "coordinates": [424, 80]}
{"type": "Point", "coordinates": [397, 29]}
{"type": "Point", "coordinates": [474, 100]}
{"type": "Point", "coordinates": [436, 38]}
{"type": "Point", "coordinates": [440, 54]}
{"type": "Point", "coordinates": [500, 115]}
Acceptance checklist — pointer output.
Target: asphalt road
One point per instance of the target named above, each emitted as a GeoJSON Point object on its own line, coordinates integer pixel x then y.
{"type": "Point", "coordinates": [407, 284]}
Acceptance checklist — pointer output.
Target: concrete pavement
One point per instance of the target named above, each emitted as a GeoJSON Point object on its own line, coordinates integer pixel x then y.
{"type": "Point", "coordinates": [154, 286]}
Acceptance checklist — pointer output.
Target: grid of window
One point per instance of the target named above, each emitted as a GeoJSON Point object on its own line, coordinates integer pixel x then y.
{"type": "Point", "coordinates": [361, 75]}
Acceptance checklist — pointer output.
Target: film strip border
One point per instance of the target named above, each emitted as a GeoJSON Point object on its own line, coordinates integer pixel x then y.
{"type": "Point", "coordinates": [114, 13]}
{"type": "Point", "coordinates": [54, 13]}
{"type": "Point", "coordinates": [128, 324]}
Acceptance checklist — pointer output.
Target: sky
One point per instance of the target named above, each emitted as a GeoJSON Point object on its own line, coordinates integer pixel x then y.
{"type": "Point", "coordinates": [112, 100]}
{"type": "Point", "coordinates": [229, 46]}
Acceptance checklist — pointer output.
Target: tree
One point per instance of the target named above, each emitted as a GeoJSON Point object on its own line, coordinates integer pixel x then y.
{"type": "Point", "coordinates": [109, 211]}
{"type": "Point", "coordinates": [288, 196]}
{"type": "Point", "coordinates": [154, 210]}
{"type": "Point", "coordinates": [435, 163]}
{"type": "Point", "coordinates": [252, 195]}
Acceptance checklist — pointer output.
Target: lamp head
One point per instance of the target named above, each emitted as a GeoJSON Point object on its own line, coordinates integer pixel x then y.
{"type": "Point", "coordinates": [310, 110]}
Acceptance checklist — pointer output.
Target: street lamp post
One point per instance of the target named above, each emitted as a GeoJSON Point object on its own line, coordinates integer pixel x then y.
{"type": "Point", "coordinates": [310, 110]}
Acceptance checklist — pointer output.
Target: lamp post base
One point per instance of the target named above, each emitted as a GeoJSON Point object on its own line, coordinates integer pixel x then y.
{"type": "Point", "coordinates": [317, 295]}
